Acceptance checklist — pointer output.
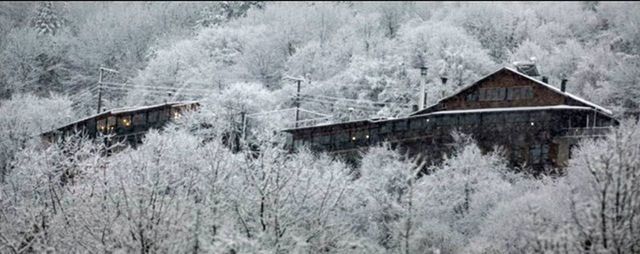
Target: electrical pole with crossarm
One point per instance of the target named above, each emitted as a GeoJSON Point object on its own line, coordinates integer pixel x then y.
{"type": "Point", "coordinates": [102, 69]}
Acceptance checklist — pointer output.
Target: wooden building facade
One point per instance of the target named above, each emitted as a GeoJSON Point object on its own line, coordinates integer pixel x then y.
{"type": "Point", "coordinates": [128, 124]}
{"type": "Point", "coordinates": [535, 123]}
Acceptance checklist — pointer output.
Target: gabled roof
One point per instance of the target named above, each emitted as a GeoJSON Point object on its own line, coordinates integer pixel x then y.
{"type": "Point", "coordinates": [550, 87]}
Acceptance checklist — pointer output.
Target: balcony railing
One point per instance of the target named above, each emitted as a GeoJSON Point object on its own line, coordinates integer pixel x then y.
{"type": "Point", "coordinates": [586, 132]}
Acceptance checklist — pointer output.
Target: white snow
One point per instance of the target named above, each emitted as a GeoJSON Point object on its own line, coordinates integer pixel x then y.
{"type": "Point", "coordinates": [507, 109]}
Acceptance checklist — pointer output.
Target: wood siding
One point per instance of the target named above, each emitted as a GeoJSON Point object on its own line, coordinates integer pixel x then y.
{"type": "Point", "coordinates": [542, 96]}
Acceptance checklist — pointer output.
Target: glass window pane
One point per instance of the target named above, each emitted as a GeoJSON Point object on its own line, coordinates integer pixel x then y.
{"type": "Point", "coordinates": [528, 93]}
{"type": "Point", "coordinates": [124, 122]}
{"type": "Point", "coordinates": [401, 125]}
{"type": "Point", "coordinates": [111, 123]}
{"type": "Point", "coordinates": [416, 123]}
{"type": "Point", "coordinates": [482, 94]}
{"type": "Point", "coordinates": [501, 93]}
{"type": "Point", "coordinates": [385, 127]}
{"type": "Point", "coordinates": [153, 116]}
{"type": "Point", "coordinates": [101, 125]}
{"type": "Point", "coordinates": [175, 113]}
{"type": "Point", "coordinates": [138, 119]}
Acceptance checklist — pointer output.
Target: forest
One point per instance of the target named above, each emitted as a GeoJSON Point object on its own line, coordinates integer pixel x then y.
{"type": "Point", "coordinates": [184, 191]}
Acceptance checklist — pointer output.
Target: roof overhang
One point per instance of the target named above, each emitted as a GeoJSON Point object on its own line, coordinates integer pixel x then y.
{"type": "Point", "coordinates": [450, 112]}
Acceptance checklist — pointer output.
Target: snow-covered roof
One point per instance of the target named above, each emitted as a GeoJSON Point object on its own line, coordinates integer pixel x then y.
{"type": "Point", "coordinates": [465, 111]}
{"type": "Point", "coordinates": [132, 109]}
{"type": "Point", "coordinates": [553, 88]}
{"type": "Point", "coordinates": [506, 109]}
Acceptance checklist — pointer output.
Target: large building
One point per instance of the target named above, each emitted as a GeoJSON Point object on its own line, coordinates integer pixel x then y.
{"type": "Point", "coordinates": [535, 123]}
{"type": "Point", "coordinates": [126, 124]}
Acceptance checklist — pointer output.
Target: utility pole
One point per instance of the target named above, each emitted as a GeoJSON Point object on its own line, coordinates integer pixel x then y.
{"type": "Point", "coordinates": [298, 103]}
{"type": "Point", "coordinates": [299, 82]}
{"type": "Point", "coordinates": [243, 116]}
{"type": "Point", "coordinates": [102, 69]}
{"type": "Point", "coordinates": [99, 91]}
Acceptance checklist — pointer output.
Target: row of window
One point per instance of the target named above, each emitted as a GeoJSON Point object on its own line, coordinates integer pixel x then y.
{"type": "Point", "coordinates": [501, 94]}
{"type": "Point", "coordinates": [365, 136]}
{"type": "Point", "coordinates": [126, 122]}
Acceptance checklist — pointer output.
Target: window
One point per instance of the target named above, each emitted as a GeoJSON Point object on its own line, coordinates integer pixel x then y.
{"type": "Point", "coordinates": [138, 119]}
{"type": "Point", "coordinates": [492, 94]}
{"type": "Point", "coordinates": [482, 94]}
{"type": "Point", "coordinates": [538, 116]}
{"type": "Point", "coordinates": [539, 153]}
{"type": "Point", "coordinates": [519, 93]}
{"type": "Point", "coordinates": [325, 140]}
{"type": "Point", "coordinates": [153, 116]}
{"type": "Point", "coordinates": [111, 123]}
{"type": "Point", "coordinates": [416, 124]}
{"type": "Point", "coordinates": [450, 120]}
{"type": "Point", "coordinates": [528, 93]}
{"type": "Point", "coordinates": [373, 135]}
{"type": "Point", "coordinates": [124, 122]}
{"type": "Point", "coordinates": [514, 93]}
{"type": "Point", "coordinates": [472, 97]}
{"type": "Point", "coordinates": [360, 137]}
{"type": "Point", "coordinates": [517, 117]}
{"type": "Point", "coordinates": [472, 119]}
{"type": "Point", "coordinates": [342, 137]}
{"type": "Point", "coordinates": [400, 125]}
{"type": "Point", "coordinates": [175, 113]}
{"type": "Point", "coordinates": [102, 125]}
{"type": "Point", "coordinates": [428, 123]}
{"type": "Point", "coordinates": [493, 118]}
{"type": "Point", "coordinates": [499, 94]}
{"type": "Point", "coordinates": [385, 127]}
{"type": "Point", "coordinates": [163, 115]}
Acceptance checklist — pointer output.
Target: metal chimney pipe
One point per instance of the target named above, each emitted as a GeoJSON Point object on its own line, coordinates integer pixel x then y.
{"type": "Point", "coordinates": [563, 85]}
{"type": "Point", "coordinates": [444, 80]}
{"type": "Point", "coordinates": [423, 93]}
{"type": "Point", "coordinates": [545, 79]}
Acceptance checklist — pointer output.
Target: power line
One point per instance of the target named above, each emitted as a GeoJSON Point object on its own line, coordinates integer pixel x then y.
{"type": "Point", "coordinates": [157, 87]}
{"type": "Point", "coordinates": [337, 104]}
{"type": "Point", "coordinates": [157, 92]}
{"type": "Point", "coordinates": [375, 103]}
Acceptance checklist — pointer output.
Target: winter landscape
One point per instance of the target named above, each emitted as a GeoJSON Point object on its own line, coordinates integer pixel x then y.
{"type": "Point", "coordinates": [319, 127]}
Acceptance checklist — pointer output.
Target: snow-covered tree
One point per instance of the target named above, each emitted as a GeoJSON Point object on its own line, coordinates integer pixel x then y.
{"type": "Point", "coordinates": [603, 178]}
{"type": "Point", "coordinates": [448, 51]}
{"type": "Point", "coordinates": [23, 118]}
{"type": "Point", "coordinates": [224, 11]}
{"type": "Point", "coordinates": [47, 19]}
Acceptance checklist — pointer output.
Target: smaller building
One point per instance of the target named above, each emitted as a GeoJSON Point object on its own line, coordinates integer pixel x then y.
{"type": "Point", "coordinates": [125, 124]}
